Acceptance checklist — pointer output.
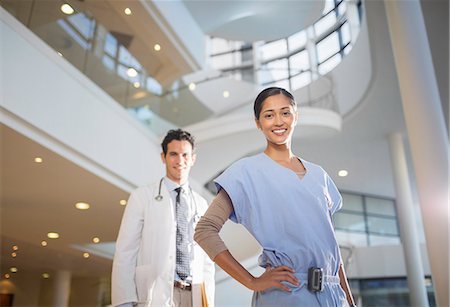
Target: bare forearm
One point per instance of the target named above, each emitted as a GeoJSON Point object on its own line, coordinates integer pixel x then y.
{"type": "Point", "coordinates": [230, 265]}
{"type": "Point", "coordinates": [345, 286]}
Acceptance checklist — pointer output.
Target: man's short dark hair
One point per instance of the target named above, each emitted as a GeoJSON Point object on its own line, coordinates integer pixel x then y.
{"type": "Point", "coordinates": [177, 135]}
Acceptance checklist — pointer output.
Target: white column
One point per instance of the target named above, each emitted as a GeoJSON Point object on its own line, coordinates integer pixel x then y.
{"type": "Point", "coordinates": [411, 248]}
{"type": "Point", "coordinates": [61, 289]}
{"type": "Point", "coordinates": [427, 133]}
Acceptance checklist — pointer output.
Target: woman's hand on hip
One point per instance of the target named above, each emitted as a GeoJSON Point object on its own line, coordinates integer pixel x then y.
{"type": "Point", "coordinates": [273, 277]}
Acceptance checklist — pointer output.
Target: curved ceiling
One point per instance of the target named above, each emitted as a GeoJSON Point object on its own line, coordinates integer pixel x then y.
{"type": "Point", "coordinates": [254, 20]}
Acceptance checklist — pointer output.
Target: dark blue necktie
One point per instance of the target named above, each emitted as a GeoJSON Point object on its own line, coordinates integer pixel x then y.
{"type": "Point", "coordinates": [182, 243]}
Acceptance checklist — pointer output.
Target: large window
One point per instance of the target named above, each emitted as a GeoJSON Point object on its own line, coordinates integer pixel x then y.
{"type": "Point", "coordinates": [366, 220]}
{"type": "Point", "coordinates": [295, 61]}
{"type": "Point", "coordinates": [387, 292]}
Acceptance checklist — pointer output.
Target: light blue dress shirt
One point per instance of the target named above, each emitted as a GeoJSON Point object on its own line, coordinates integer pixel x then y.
{"type": "Point", "coordinates": [291, 219]}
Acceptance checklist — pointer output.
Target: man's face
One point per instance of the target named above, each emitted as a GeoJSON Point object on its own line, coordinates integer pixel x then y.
{"type": "Point", "coordinates": [178, 160]}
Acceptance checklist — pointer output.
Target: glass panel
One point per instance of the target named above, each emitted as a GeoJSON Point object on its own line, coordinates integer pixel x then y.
{"type": "Point", "coordinates": [110, 45]}
{"type": "Point", "coordinates": [329, 5]}
{"type": "Point", "coordinates": [222, 61]}
{"type": "Point", "coordinates": [352, 202]}
{"type": "Point", "coordinates": [349, 221]}
{"type": "Point", "coordinates": [297, 40]}
{"type": "Point", "coordinates": [329, 64]}
{"type": "Point", "coordinates": [273, 50]}
{"type": "Point", "coordinates": [351, 238]}
{"type": "Point", "coordinates": [342, 8]}
{"type": "Point", "coordinates": [324, 24]}
{"type": "Point", "coordinates": [381, 225]}
{"type": "Point", "coordinates": [220, 45]}
{"type": "Point", "coordinates": [83, 24]}
{"type": "Point", "coordinates": [383, 240]}
{"type": "Point", "coordinates": [300, 80]}
{"type": "Point", "coordinates": [385, 292]}
{"type": "Point", "coordinates": [75, 35]}
{"type": "Point", "coordinates": [275, 70]}
{"type": "Point", "coordinates": [380, 206]}
{"type": "Point", "coordinates": [299, 62]}
{"type": "Point", "coordinates": [327, 47]}
{"type": "Point", "coordinates": [347, 49]}
{"type": "Point", "coordinates": [108, 62]}
{"type": "Point", "coordinates": [345, 33]}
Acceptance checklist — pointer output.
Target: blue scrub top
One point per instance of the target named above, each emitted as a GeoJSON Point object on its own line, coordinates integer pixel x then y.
{"type": "Point", "coordinates": [291, 219]}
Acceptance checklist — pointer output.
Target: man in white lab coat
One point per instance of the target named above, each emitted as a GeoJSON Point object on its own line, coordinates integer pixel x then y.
{"type": "Point", "coordinates": [157, 262]}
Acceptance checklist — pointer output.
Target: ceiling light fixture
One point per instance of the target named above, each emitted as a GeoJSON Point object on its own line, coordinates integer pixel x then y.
{"type": "Point", "coordinates": [96, 240]}
{"type": "Point", "coordinates": [122, 202]}
{"type": "Point", "coordinates": [60, 54]}
{"type": "Point", "coordinates": [342, 173]}
{"type": "Point", "coordinates": [82, 206]}
{"type": "Point", "coordinates": [67, 9]}
{"type": "Point", "coordinates": [45, 275]}
{"type": "Point", "coordinates": [13, 269]}
{"type": "Point", "coordinates": [136, 84]}
{"type": "Point", "coordinates": [13, 254]}
{"type": "Point", "coordinates": [127, 11]}
{"type": "Point", "coordinates": [192, 86]}
{"type": "Point", "coordinates": [53, 235]}
{"type": "Point", "coordinates": [7, 276]}
{"type": "Point", "coordinates": [157, 47]}
{"type": "Point", "coordinates": [226, 94]}
{"type": "Point", "coordinates": [131, 72]}
{"type": "Point", "coordinates": [44, 243]}
{"type": "Point", "coordinates": [86, 255]}
{"type": "Point", "coordinates": [15, 247]}
{"type": "Point", "coordinates": [38, 160]}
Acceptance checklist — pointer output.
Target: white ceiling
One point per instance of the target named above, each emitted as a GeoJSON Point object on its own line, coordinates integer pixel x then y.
{"type": "Point", "coordinates": [262, 20]}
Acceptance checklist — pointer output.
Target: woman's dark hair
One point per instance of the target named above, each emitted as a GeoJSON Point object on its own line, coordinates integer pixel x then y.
{"type": "Point", "coordinates": [266, 93]}
{"type": "Point", "coordinates": [177, 135]}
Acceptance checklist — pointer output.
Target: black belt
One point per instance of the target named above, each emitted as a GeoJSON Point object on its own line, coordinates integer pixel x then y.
{"type": "Point", "coordinates": [182, 285]}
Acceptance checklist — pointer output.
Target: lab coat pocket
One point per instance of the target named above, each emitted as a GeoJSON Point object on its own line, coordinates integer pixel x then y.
{"type": "Point", "coordinates": [145, 283]}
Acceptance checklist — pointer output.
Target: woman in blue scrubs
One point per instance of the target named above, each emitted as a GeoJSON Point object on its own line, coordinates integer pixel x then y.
{"type": "Point", "coordinates": [286, 203]}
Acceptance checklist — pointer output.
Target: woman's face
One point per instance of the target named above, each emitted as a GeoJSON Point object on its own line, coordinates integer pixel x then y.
{"type": "Point", "coordinates": [277, 119]}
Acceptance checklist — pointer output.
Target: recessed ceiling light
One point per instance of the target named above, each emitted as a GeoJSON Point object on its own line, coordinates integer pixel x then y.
{"type": "Point", "coordinates": [226, 94]}
{"type": "Point", "coordinates": [127, 11]}
{"type": "Point", "coordinates": [192, 86]}
{"type": "Point", "coordinates": [131, 72]}
{"type": "Point", "coordinates": [13, 269]}
{"type": "Point", "coordinates": [82, 206]}
{"type": "Point", "coordinates": [45, 275]}
{"type": "Point", "coordinates": [15, 247]}
{"type": "Point", "coordinates": [14, 254]}
{"type": "Point", "coordinates": [53, 235]}
{"type": "Point", "coordinates": [86, 255]}
{"type": "Point", "coordinates": [342, 173]}
{"type": "Point", "coordinates": [96, 240]}
{"type": "Point", "coordinates": [122, 202]}
{"type": "Point", "coordinates": [38, 160]}
{"type": "Point", "coordinates": [157, 47]}
{"type": "Point", "coordinates": [7, 276]}
{"type": "Point", "coordinates": [136, 84]}
{"type": "Point", "coordinates": [67, 9]}
{"type": "Point", "coordinates": [44, 243]}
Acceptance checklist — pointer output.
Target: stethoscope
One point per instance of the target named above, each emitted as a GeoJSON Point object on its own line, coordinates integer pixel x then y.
{"type": "Point", "coordinates": [159, 198]}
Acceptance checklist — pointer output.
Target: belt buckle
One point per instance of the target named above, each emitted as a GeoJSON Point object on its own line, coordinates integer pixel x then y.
{"type": "Point", "coordinates": [315, 279]}
{"type": "Point", "coordinates": [182, 285]}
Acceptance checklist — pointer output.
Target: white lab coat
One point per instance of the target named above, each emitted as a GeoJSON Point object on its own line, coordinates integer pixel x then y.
{"type": "Point", "coordinates": [144, 261]}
